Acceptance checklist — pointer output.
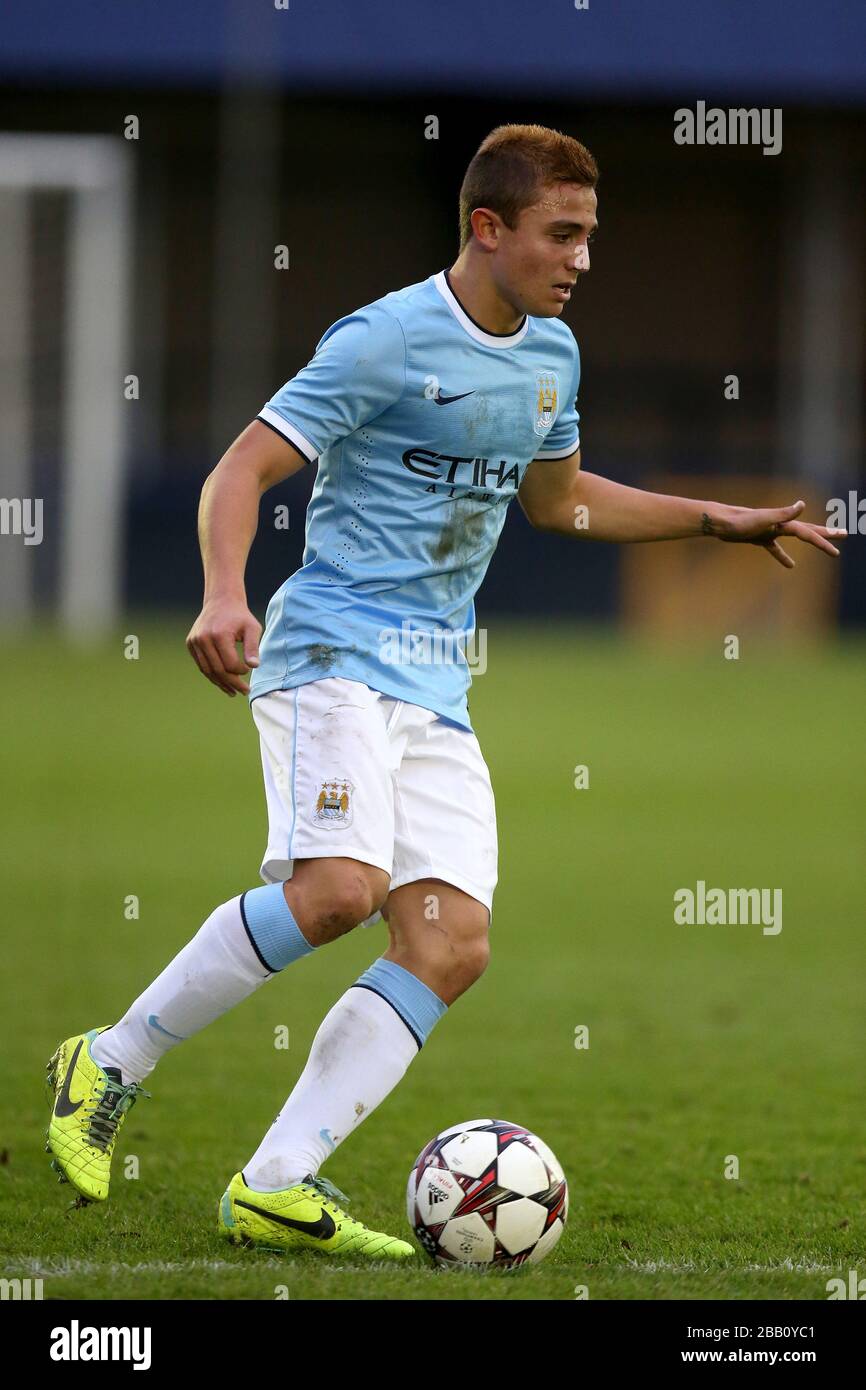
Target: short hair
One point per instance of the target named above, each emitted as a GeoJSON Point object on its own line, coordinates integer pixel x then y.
{"type": "Point", "coordinates": [513, 164]}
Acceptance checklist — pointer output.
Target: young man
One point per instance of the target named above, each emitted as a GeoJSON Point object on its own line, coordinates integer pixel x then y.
{"type": "Point", "coordinates": [428, 411]}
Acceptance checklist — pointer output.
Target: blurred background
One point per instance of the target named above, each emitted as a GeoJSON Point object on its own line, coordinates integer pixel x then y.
{"type": "Point", "coordinates": [152, 165]}
{"type": "Point", "coordinates": [190, 194]}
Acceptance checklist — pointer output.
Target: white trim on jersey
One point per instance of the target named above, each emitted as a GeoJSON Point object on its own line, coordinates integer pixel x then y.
{"type": "Point", "coordinates": [559, 453]}
{"type": "Point", "coordinates": [269, 416]}
{"type": "Point", "coordinates": [494, 340]}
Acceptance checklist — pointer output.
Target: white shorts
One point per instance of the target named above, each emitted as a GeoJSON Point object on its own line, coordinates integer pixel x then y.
{"type": "Point", "coordinates": [351, 772]}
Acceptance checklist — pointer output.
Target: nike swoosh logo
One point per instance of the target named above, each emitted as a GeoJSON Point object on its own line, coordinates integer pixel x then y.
{"type": "Point", "coordinates": [153, 1020]}
{"type": "Point", "coordinates": [322, 1229]}
{"type": "Point", "coordinates": [446, 400]}
{"type": "Point", "coordinates": [65, 1104]}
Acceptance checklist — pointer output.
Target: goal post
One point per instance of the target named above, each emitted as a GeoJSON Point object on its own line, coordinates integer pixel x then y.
{"type": "Point", "coordinates": [96, 172]}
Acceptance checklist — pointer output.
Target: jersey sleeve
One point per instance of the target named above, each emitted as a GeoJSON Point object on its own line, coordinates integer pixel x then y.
{"type": "Point", "coordinates": [357, 371]}
{"type": "Point", "coordinates": [563, 437]}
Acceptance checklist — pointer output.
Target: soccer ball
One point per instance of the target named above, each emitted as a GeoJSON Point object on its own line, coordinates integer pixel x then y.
{"type": "Point", "coordinates": [487, 1193]}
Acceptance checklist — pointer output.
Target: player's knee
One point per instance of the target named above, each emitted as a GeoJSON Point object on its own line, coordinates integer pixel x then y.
{"type": "Point", "coordinates": [353, 894]}
{"type": "Point", "coordinates": [475, 959]}
{"type": "Point", "coordinates": [459, 969]}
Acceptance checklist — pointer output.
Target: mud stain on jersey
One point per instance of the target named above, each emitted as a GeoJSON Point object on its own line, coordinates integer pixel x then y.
{"type": "Point", "coordinates": [462, 533]}
{"type": "Point", "coordinates": [323, 655]}
{"type": "Point", "coordinates": [476, 417]}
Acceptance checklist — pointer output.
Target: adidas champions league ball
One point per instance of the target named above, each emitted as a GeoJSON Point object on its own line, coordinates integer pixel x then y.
{"type": "Point", "coordinates": [487, 1193]}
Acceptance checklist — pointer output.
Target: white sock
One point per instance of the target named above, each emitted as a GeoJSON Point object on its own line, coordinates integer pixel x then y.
{"type": "Point", "coordinates": [361, 1051]}
{"type": "Point", "coordinates": [214, 971]}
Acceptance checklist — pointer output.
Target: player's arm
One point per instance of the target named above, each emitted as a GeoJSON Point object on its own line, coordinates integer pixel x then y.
{"type": "Point", "coordinates": [557, 495]}
{"type": "Point", "coordinates": [227, 520]}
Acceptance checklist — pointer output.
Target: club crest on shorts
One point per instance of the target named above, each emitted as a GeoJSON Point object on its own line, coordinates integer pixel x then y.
{"type": "Point", "coordinates": [334, 803]}
{"type": "Point", "coordinates": [545, 401]}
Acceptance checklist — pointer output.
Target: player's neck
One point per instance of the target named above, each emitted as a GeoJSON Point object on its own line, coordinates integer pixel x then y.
{"type": "Point", "coordinates": [480, 297]}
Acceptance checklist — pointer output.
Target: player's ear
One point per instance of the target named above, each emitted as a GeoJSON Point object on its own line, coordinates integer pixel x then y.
{"type": "Point", "coordinates": [485, 226]}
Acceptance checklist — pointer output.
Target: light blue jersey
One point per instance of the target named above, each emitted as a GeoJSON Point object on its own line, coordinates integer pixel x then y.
{"type": "Point", "coordinates": [424, 425]}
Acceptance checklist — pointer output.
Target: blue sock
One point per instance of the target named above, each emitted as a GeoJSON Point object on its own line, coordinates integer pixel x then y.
{"type": "Point", "coordinates": [274, 934]}
{"type": "Point", "coordinates": [417, 1005]}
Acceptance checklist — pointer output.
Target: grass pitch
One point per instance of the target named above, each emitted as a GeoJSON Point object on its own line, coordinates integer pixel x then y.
{"type": "Point", "coordinates": [705, 1042]}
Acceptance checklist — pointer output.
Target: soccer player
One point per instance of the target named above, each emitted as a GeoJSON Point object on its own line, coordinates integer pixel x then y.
{"type": "Point", "coordinates": [427, 412]}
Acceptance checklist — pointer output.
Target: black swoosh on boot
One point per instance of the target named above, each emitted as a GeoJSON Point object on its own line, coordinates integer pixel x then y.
{"type": "Point", "coordinates": [64, 1104]}
{"type": "Point", "coordinates": [322, 1229]}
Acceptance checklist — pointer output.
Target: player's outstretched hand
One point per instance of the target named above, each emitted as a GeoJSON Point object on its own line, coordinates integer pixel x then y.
{"type": "Point", "coordinates": [212, 644]}
{"type": "Point", "coordinates": [762, 525]}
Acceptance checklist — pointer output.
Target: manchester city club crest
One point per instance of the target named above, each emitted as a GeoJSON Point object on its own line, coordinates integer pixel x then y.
{"type": "Point", "coordinates": [334, 803]}
{"type": "Point", "coordinates": [545, 401]}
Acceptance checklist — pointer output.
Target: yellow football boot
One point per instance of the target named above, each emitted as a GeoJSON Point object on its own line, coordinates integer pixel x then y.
{"type": "Point", "coordinates": [303, 1217]}
{"type": "Point", "coordinates": [89, 1104]}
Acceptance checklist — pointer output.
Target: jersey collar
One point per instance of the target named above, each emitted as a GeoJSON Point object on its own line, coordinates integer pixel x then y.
{"type": "Point", "coordinates": [494, 340]}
